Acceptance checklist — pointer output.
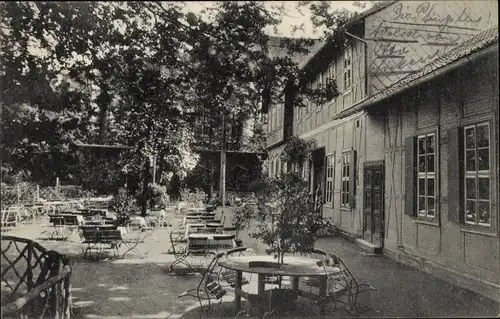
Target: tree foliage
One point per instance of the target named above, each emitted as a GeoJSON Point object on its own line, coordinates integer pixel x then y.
{"type": "Point", "coordinates": [289, 223]}
{"type": "Point", "coordinates": [139, 74]}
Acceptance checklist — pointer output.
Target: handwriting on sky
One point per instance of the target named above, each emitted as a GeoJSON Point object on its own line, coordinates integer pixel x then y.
{"type": "Point", "coordinates": [409, 34]}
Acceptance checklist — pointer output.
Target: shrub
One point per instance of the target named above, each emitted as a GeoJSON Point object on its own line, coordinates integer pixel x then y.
{"type": "Point", "coordinates": [199, 196]}
{"type": "Point", "coordinates": [9, 193]}
{"type": "Point", "coordinates": [124, 206]}
{"type": "Point", "coordinates": [157, 196]}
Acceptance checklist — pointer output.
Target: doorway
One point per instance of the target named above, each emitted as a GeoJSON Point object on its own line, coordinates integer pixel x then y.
{"type": "Point", "coordinates": [373, 203]}
{"type": "Point", "coordinates": [318, 178]}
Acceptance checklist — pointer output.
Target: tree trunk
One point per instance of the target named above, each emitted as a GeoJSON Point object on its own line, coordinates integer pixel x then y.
{"type": "Point", "coordinates": [145, 181]}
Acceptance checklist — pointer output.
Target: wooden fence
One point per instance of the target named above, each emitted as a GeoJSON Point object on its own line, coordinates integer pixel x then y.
{"type": "Point", "coordinates": [35, 282]}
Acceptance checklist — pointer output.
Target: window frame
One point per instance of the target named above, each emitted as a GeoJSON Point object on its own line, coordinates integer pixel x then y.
{"type": "Point", "coordinates": [345, 176]}
{"type": "Point", "coordinates": [347, 69]}
{"type": "Point", "coordinates": [427, 175]}
{"type": "Point", "coordinates": [477, 174]}
{"type": "Point", "coordinates": [332, 71]}
{"type": "Point", "coordinates": [329, 180]}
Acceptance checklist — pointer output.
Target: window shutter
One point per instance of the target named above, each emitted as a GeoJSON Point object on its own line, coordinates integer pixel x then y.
{"type": "Point", "coordinates": [455, 175]}
{"type": "Point", "coordinates": [352, 179]}
{"type": "Point", "coordinates": [410, 176]}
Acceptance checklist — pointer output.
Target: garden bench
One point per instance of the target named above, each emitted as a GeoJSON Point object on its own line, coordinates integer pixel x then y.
{"type": "Point", "coordinates": [101, 239]}
{"type": "Point", "coordinates": [35, 281]}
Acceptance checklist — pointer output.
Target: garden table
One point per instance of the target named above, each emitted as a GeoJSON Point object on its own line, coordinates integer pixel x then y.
{"type": "Point", "coordinates": [294, 267]}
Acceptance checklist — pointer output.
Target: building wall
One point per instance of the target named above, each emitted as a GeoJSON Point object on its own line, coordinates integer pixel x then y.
{"type": "Point", "coordinates": [470, 251]}
{"type": "Point", "coordinates": [408, 34]}
{"type": "Point", "coordinates": [315, 117]}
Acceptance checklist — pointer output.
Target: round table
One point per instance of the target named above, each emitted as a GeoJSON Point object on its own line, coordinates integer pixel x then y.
{"type": "Point", "coordinates": [292, 266]}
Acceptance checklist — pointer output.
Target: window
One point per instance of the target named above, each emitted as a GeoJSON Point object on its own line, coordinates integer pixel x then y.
{"type": "Point", "coordinates": [477, 174]}
{"type": "Point", "coordinates": [279, 116]}
{"type": "Point", "coordinates": [309, 102]}
{"type": "Point", "coordinates": [347, 68]}
{"type": "Point", "coordinates": [305, 171]}
{"type": "Point", "coordinates": [426, 184]}
{"type": "Point", "coordinates": [271, 167]}
{"type": "Point", "coordinates": [332, 71]}
{"type": "Point", "coordinates": [273, 119]}
{"type": "Point", "coordinates": [346, 163]}
{"type": "Point", "coordinates": [330, 170]}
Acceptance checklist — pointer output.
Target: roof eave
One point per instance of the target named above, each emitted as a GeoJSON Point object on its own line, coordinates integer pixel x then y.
{"type": "Point", "coordinates": [366, 103]}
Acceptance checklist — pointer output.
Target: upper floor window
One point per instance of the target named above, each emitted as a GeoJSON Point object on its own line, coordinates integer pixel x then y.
{"type": "Point", "coordinates": [332, 73]}
{"type": "Point", "coordinates": [330, 171]}
{"type": "Point", "coordinates": [477, 174]}
{"type": "Point", "coordinates": [309, 102]}
{"type": "Point", "coordinates": [426, 185]}
{"type": "Point", "coordinates": [347, 68]}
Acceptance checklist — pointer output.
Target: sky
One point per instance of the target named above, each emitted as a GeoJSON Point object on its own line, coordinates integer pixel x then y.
{"type": "Point", "coordinates": [292, 16]}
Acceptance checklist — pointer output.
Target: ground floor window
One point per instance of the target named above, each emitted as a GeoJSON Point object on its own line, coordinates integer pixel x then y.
{"type": "Point", "coordinates": [477, 182]}
{"type": "Point", "coordinates": [330, 170]}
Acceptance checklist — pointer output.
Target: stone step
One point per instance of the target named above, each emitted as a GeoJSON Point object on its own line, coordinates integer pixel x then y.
{"type": "Point", "coordinates": [366, 245]}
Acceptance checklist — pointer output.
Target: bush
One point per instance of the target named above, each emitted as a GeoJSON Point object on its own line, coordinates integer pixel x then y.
{"type": "Point", "coordinates": [124, 206]}
{"type": "Point", "coordinates": [9, 193]}
{"type": "Point", "coordinates": [199, 196]}
{"type": "Point", "coordinates": [157, 196]}
{"type": "Point", "coordinates": [75, 191]}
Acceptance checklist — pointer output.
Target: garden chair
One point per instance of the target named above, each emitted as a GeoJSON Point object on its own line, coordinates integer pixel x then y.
{"type": "Point", "coordinates": [209, 287]}
{"type": "Point", "coordinates": [314, 282]}
{"type": "Point", "coordinates": [343, 285]}
{"type": "Point", "coordinates": [229, 275]}
{"type": "Point", "coordinates": [177, 243]}
{"type": "Point", "coordinates": [197, 247]}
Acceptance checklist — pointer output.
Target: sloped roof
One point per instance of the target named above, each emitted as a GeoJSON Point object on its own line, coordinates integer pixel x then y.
{"type": "Point", "coordinates": [475, 44]}
{"type": "Point", "coordinates": [466, 48]}
{"type": "Point", "coordinates": [275, 49]}
{"type": "Point", "coordinates": [321, 44]}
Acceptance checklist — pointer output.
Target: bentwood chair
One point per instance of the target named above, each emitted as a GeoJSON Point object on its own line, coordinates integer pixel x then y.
{"type": "Point", "coordinates": [209, 287]}
{"type": "Point", "coordinates": [343, 288]}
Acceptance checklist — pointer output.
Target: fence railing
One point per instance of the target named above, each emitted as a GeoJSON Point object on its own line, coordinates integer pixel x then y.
{"type": "Point", "coordinates": [37, 282]}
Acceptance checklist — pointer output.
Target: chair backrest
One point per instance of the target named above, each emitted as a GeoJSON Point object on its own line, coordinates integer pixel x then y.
{"type": "Point", "coordinates": [318, 254]}
{"type": "Point", "coordinates": [240, 251]}
{"type": "Point", "coordinates": [224, 240]}
{"type": "Point", "coordinates": [58, 220]}
{"type": "Point", "coordinates": [206, 230]}
{"type": "Point", "coordinates": [209, 275]}
{"type": "Point", "coordinates": [344, 278]}
{"type": "Point", "coordinates": [198, 243]}
{"type": "Point", "coordinates": [102, 234]}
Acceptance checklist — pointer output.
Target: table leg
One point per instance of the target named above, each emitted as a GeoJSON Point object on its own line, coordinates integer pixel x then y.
{"type": "Point", "coordinates": [323, 286]}
{"type": "Point", "coordinates": [237, 297]}
{"type": "Point", "coordinates": [261, 284]}
{"type": "Point", "coordinates": [295, 283]}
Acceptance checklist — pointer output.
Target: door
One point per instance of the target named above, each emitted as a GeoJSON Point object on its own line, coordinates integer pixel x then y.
{"type": "Point", "coordinates": [373, 203]}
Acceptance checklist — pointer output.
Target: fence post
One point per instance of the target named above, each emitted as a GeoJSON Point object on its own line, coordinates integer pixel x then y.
{"type": "Point", "coordinates": [18, 194]}
{"type": "Point", "coordinates": [37, 193]}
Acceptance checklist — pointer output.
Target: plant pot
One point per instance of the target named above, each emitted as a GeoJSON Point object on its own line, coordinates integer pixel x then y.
{"type": "Point", "coordinates": [238, 242]}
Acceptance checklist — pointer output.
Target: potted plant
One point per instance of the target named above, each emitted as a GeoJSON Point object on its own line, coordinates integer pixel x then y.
{"type": "Point", "coordinates": [289, 224]}
{"type": "Point", "coordinates": [241, 220]}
